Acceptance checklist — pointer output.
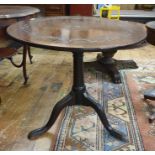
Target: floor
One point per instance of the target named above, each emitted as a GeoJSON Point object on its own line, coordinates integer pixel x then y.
{"type": "Point", "coordinates": [24, 108]}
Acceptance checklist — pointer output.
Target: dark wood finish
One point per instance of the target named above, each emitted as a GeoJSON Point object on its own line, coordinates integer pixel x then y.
{"type": "Point", "coordinates": [7, 52]}
{"type": "Point", "coordinates": [10, 14]}
{"type": "Point", "coordinates": [70, 33]}
{"type": "Point", "coordinates": [16, 11]}
{"type": "Point", "coordinates": [77, 96]}
{"type": "Point", "coordinates": [150, 94]}
{"type": "Point", "coordinates": [77, 34]}
{"type": "Point", "coordinates": [130, 15]}
{"type": "Point", "coordinates": [151, 32]}
{"type": "Point", "coordinates": [23, 63]}
{"type": "Point", "coordinates": [52, 9]}
{"type": "Point", "coordinates": [81, 9]}
{"type": "Point", "coordinates": [55, 10]}
{"type": "Point", "coordinates": [106, 60]}
{"type": "Point", "coordinates": [145, 7]}
{"type": "Point", "coordinates": [102, 34]}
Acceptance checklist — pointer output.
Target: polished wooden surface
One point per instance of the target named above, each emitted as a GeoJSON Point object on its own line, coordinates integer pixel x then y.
{"type": "Point", "coordinates": [151, 32]}
{"type": "Point", "coordinates": [14, 11]}
{"type": "Point", "coordinates": [52, 9]}
{"type": "Point", "coordinates": [70, 33]}
{"type": "Point", "coordinates": [10, 14]}
{"type": "Point", "coordinates": [151, 25]}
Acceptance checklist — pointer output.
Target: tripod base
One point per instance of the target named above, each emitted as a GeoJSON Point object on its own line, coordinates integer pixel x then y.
{"type": "Point", "coordinates": [77, 97]}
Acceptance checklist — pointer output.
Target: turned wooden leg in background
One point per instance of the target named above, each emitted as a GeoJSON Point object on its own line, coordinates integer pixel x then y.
{"type": "Point", "coordinates": [22, 64]}
{"type": "Point", "coordinates": [149, 96]}
{"type": "Point", "coordinates": [106, 59]}
{"type": "Point", "coordinates": [29, 54]}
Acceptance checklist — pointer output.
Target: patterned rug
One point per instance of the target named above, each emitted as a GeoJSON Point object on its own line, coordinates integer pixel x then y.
{"type": "Point", "coordinates": [82, 130]}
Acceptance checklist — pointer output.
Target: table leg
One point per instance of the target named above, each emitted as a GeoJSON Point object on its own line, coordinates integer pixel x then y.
{"type": "Point", "coordinates": [78, 96]}
{"type": "Point", "coordinates": [25, 49]}
{"type": "Point", "coordinates": [22, 64]}
{"type": "Point", "coordinates": [29, 54]}
{"type": "Point", "coordinates": [66, 101]}
{"type": "Point", "coordinates": [150, 95]}
{"type": "Point", "coordinates": [109, 64]}
{"type": "Point", "coordinates": [89, 101]}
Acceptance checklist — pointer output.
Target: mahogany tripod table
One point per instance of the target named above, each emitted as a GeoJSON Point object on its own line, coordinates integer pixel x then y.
{"type": "Point", "coordinates": [78, 35]}
{"type": "Point", "coordinates": [10, 14]}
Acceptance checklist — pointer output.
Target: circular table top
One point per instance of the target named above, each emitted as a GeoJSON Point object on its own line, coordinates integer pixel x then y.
{"type": "Point", "coordinates": [14, 11]}
{"type": "Point", "coordinates": [78, 32]}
